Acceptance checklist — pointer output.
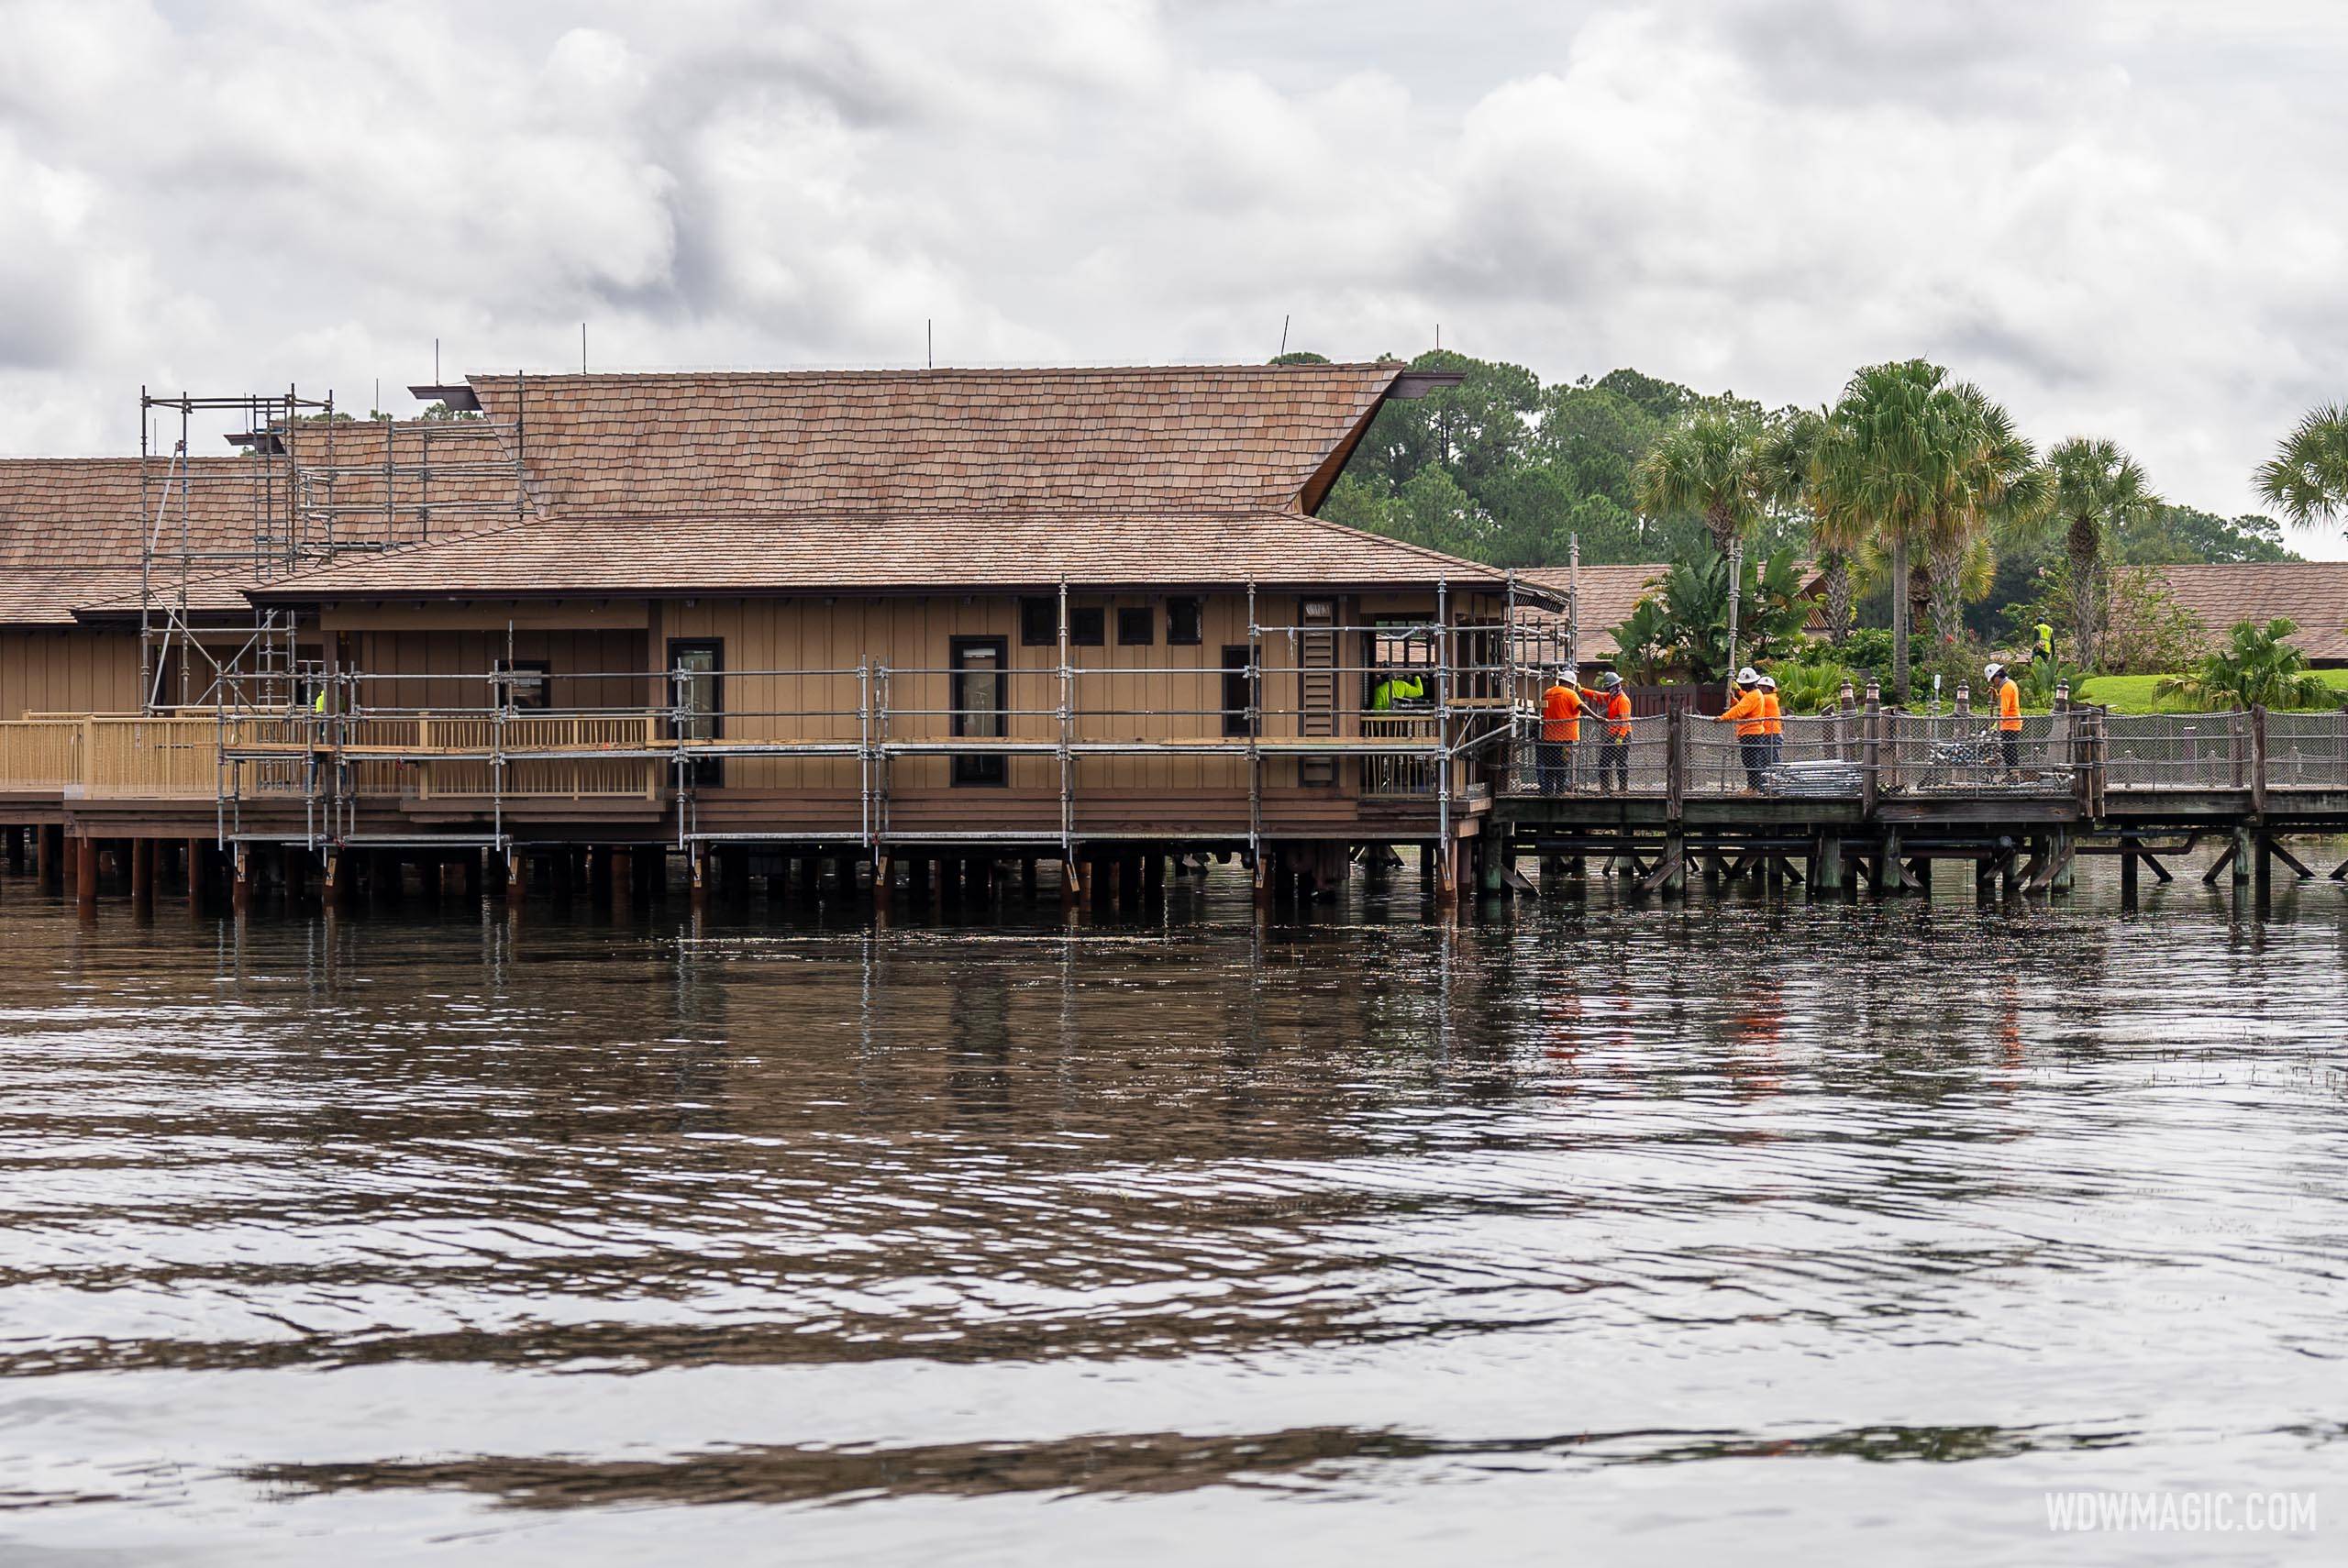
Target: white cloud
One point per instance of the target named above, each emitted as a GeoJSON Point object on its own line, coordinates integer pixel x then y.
{"type": "Point", "coordinates": [2129, 220]}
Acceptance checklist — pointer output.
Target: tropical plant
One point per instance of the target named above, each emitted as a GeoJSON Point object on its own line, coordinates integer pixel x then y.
{"type": "Point", "coordinates": [2256, 668]}
{"type": "Point", "coordinates": [2095, 493]}
{"type": "Point", "coordinates": [1996, 481]}
{"type": "Point", "coordinates": [1878, 462]}
{"type": "Point", "coordinates": [1838, 535]}
{"type": "Point", "coordinates": [1707, 466]}
{"type": "Point", "coordinates": [2307, 479]}
{"type": "Point", "coordinates": [1681, 625]}
{"type": "Point", "coordinates": [1806, 688]}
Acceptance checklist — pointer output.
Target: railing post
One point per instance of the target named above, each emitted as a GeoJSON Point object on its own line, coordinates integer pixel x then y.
{"type": "Point", "coordinates": [1674, 763]}
{"type": "Point", "coordinates": [1870, 746]}
{"type": "Point", "coordinates": [2258, 759]}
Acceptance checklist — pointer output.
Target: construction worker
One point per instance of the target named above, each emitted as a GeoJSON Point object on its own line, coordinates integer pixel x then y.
{"type": "Point", "coordinates": [2009, 695]}
{"type": "Point", "coordinates": [1613, 705]}
{"type": "Point", "coordinates": [1752, 727]}
{"type": "Point", "coordinates": [1773, 718]}
{"type": "Point", "coordinates": [2043, 653]}
{"type": "Point", "coordinates": [1560, 732]}
{"type": "Point", "coordinates": [1399, 687]}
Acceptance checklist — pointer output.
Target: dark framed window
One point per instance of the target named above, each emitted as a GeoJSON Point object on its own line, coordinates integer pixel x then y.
{"type": "Point", "coordinates": [1088, 626]}
{"type": "Point", "coordinates": [1238, 692]}
{"type": "Point", "coordinates": [1039, 623]}
{"type": "Point", "coordinates": [982, 706]}
{"type": "Point", "coordinates": [1136, 626]}
{"type": "Point", "coordinates": [521, 683]}
{"type": "Point", "coordinates": [1186, 622]}
{"type": "Point", "coordinates": [697, 700]}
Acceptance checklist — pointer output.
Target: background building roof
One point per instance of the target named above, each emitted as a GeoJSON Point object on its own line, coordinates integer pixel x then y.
{"type": "Point", "coordinates": [2313, 593]}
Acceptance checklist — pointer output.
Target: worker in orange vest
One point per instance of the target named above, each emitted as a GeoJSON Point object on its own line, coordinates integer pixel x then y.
{"type": "Point", "coordinates": [2008, 712]}
{"type": "Point", "coordinates": [1751, 726]}
{"type": "Point", "coordinates": [1773, 718]}
{"type": "Point", "coordinates": [1560, 732]}
{"type": "Point", "coordinates": [1612, 703]}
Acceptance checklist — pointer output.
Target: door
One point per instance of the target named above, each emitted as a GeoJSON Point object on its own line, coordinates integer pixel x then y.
{"type": "Point", "coordinates": [696, 689]}
{"type": "Point", "coordinates": [980, 704]}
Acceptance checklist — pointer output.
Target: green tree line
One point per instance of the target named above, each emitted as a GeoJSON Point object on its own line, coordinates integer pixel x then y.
{"type": "Point", "coordinates": [1906, 477]}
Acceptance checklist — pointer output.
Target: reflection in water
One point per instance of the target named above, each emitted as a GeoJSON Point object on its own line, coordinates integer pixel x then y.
{"type": "Point", "coordinates": [424, 1226]}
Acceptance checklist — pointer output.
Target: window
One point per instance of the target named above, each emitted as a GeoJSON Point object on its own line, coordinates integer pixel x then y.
{"type": "Point", "coordinates": [1185, 621]}
{"type": "Point", "coordinates": [520, 683]}
{"type": "Point", "coordinates": [1136, 626]}
{"type": "Point", "coordinates": [697, 700]}
{"type": "Point", "coordinates": [1039, 623]}
{"type": "Point", "coordinates": [1400, 669]}
{"type": "Point", "coordinates": [1238, 699]}
{"type": "Point", "coordinates": [1087, 628]}
{"type": "Point", "coordinates": [980, 709]}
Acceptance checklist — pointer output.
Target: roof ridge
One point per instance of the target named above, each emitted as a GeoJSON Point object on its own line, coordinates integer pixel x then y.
{"type": "Point", "coordinates": [926, 371]}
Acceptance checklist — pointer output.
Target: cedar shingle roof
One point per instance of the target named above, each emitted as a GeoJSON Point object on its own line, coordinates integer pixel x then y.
{"type": "Point", "coordinates": [2313, 593]}
{"type": "Point", "coordinates": [797, 553]}
{"type": "Point", "coordinates": [1201, 438]}
{"type": "Point", "coordinates": [1607, 595]}
{"type": "Point", "coordinates": [71, 528]}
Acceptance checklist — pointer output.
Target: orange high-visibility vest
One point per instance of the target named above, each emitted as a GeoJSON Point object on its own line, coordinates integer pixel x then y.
{"type": "Point", "coordinates": [1773, 718]}
{"type": "Point", "coordinates": [1617, 707]}
{"type": "Point", "coordinates": [1747, 716]}
{"type": "Point", "coordinates": [1560, 714]}
{"type": "Point", "coordinates": [2009, 705]}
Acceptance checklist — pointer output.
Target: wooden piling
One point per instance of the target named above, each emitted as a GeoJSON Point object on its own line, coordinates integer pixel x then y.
{"type": "Point", "coordinates": [85, 876]}
{"type": "Point", "coordinates": [142, 875]}
{"type": "Point", "coordinates": [621, 878]}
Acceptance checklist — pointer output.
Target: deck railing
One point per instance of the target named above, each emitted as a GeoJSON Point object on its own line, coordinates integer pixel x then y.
{"type": "Point", "coordinates": [1333, 721]}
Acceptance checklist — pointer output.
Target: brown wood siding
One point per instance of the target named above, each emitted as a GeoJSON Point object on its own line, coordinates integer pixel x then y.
{"type": "Point", "coordinates": [71, 670]}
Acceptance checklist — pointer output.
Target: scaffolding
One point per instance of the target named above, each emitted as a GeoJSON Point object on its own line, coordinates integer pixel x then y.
{"type": "Point", "coordinates": [309, 485]}
{"type": "Point", "coordinates": [472, 747]}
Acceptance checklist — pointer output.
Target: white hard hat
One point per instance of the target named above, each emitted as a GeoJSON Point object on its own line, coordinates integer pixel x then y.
{"type": "Point", "coordinates": [1768, 683]}
{"type": "Point", "coordinates": [1990, 670]}
{"type": "Point", "coordinates": [1746, 676]}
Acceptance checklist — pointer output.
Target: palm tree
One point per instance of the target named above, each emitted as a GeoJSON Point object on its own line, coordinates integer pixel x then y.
{"type": "Point", "coordinates": [1791, 481]}
{"type": "Point", "coordinates": [1709, 465]}
{"type": "Point", "coordinates": [1994, 478]}
{"type": "Point", "coordinates": [2307, 479]}
{"type": "Point", "coordinates": [2094, 490]}
{"type": "Point", "coordinates": [1886, 456]}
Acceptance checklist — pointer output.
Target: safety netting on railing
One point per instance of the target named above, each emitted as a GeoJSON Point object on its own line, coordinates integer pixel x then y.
{"type": "Point", "coordinates": [2307, 751]}
{"type": "Point", "coordinates": [2177, 751]}
{"type": "Point", "coordinates": [1609, 757]}
{"type": "Point", "coordinates": [1806, 756]}
{"type": "Point", "coordinates": [1975, 754]}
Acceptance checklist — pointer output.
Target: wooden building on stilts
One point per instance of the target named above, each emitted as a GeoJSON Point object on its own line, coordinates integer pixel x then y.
{"type": "Point", "coordinates": [909, 630]}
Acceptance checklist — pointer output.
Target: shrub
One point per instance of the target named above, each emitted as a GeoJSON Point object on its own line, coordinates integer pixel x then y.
{"type": "Point", "coordinates": [2256, 668]}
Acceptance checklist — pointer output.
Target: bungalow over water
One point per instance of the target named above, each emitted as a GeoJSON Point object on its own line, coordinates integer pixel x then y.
{"type": "Point", "coordinates": [884, 626]}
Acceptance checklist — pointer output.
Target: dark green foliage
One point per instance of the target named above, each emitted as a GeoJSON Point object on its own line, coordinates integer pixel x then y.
{"type": "Point", "coordinates": [2178, 534]}
{"type": "Point", "coordinates": [2254, 668]}
{"type": "Point", "coordinates": [1681, 628]}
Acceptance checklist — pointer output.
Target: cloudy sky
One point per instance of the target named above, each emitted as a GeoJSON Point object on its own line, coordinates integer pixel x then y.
{"type": "Point", "coordinates": [2126, 219]}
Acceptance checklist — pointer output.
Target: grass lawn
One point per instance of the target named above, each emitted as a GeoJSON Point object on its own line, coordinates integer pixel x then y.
{"type": "Point", "coordinates": [2133, 693]}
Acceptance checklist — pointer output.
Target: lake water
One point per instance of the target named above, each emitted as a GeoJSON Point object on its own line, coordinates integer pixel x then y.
{"type": "Point", "coordinates": [1588, 1230]}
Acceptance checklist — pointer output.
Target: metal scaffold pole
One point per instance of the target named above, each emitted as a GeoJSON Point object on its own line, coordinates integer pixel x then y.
{"type": "Point", "coordinates": [1254, 738]}
{"type": "Point", "coordinates": [1443, 715]}
{"type": "Point", "coordinates": [1068, 732]}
